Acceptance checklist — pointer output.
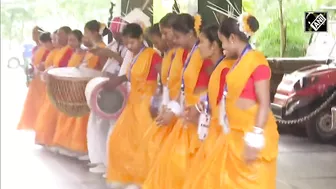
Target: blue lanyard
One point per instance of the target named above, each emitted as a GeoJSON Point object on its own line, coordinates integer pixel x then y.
{"type": "Point", "coordinates": [134, 61]}
{"type": "Point", "coordinates": [186, 63]}
{"type": "Point", "coordinates": [246, 49]}
{"type": "Point", "coordinates": [207, 97]}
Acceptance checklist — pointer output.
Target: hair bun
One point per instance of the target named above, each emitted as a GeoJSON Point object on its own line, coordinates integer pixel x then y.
{"type": "Point", "coordinates": [248, 24]}
{"type": "Point", "coordinates": [253, 23]}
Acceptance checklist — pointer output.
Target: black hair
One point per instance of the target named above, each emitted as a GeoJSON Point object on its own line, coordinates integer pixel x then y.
{"type": "Point", "coordinates": [94, 26]}
{"type": "Point", "coordinates": [230, 26]}
{"type": "Point", "coordinates": [132, 30]}
{"type": "Point", "coordinates": [55, 32]}
{"type": "Point", "coordinates": [78, 34]}
{"type": "Point", "coordinates": [154, 30]}
{"type": "Point", "coordinates": [45, 37]}
{"type": "Point", "coordinates": [168, 20]}
{"type": "Point", "coordinates": [66, 29]}
{"type": "Point", "coordinates": [211, 33]}
{"type": "Point", "coordinates": [184, 23]}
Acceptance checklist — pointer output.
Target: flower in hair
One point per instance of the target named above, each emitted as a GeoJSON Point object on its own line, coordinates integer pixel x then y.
{"type": "Point", "coordinates": [197, 23]}
{"type": "Point", "coordinates": [243, 24]}
{"type": "Point", "coordinates": [101, 28]}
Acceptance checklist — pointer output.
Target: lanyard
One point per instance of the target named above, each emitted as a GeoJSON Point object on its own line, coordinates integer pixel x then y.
{"type": "Point", "coordinates": [246, 49]}
{"type": "Point", "coordinates": [207, 97]}
{"type": "Point", "coordinates": [171, 63]}
{"type": "Point", "coordinates": [134, 61]}
{"type": "Point", "coordinates": [186, 63]}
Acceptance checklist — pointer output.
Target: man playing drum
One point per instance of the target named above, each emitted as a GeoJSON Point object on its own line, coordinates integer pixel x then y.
{"type": "Point", "coordinates": [98, 127]}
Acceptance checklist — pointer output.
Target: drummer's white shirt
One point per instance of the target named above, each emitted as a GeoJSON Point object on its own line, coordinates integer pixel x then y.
{"type": "Point", "coordinates": [111, 64]}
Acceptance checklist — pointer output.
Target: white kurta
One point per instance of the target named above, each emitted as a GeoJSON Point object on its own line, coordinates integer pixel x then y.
{"type": "Point", "coordinates": [98, 128]}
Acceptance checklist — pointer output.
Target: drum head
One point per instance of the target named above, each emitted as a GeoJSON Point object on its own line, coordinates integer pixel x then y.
{"type": "Point", "coordinates": [71, 72]}
{"type": "Point", "coordinates": [110, 101]}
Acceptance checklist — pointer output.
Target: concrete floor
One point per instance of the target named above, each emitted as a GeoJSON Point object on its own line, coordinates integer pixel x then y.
{"type": "Point", "coordinates": [302, 165]}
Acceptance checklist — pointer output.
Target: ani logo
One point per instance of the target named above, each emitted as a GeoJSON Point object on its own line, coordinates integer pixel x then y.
{"type": "Point", "coordinates": [316, 21]}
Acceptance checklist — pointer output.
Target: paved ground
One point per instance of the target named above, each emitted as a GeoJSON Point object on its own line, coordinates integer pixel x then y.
{"type": "Point", "coordinates": [302, 165]}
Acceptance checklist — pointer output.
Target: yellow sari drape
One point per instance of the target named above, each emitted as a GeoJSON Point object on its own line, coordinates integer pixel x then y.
{"type": "Point", "coordinates": [197, 179]}
{"type": "Point", "coordinates": [93, 60]}
{"type": "Point", "coordinates": [47, 118]}
{"type": "Point", "coordinates": [133, 122]}
{"type": "Point", "coordinates": [172, 163]}
{"type": "Point", "coordinates": [155, 136]}
{"type": "Point", "coordinates": [34, 99]}
{"type": "Point", "coordinates": [225, 167]}
{"type": "Point", "coordinates": [71, 131]}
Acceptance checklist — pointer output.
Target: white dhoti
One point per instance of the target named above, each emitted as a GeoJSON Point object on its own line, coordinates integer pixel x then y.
{"type": "Point", "coordinates": [97, 133]}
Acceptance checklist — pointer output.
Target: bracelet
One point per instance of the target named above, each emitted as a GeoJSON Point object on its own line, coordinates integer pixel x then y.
{"type": "Point", "coordinates": [174, 107]}
{"type": "Point", "coordinates": [197, 108]}
{"type": "Point", "coordinates": [258, 130]}
{"type": "Point", "coordinates": [254, 140]}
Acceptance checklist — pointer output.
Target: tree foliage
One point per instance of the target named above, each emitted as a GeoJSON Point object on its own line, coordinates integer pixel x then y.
{"type": "Point", "coordinates": [268, 37]}
{"type": "Point", "coordinates": [19, 17]}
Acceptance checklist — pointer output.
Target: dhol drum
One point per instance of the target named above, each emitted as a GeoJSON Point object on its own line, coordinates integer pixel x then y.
{"type": "Point", "coordinates": [106, 104]}
{"type": "Point", "coordinates": [66, 89]}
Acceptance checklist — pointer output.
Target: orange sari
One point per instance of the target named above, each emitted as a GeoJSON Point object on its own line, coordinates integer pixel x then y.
{"type": "Point", "coordinates": [34, 99]}
{"type": "Point", "coordinates": [71, 131]}
{"type": "Point", "coordinates": [92, 60]}
{"type": "Point", "coordinates": [176, 154]}
{"type": "Point", "coordinates": [133, 122]}
{"type": "Point", "coordinates": [47, 118]}
{"type": "Point", "coordinates": [155, 136]}
{"type": "Point", "coordinates": [225, 167]}
{"type": "Point", "coordinates": [196, 180]}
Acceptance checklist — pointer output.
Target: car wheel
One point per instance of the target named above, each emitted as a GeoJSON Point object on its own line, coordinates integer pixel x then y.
{"type": "Point", "coordinates": [320, 129]}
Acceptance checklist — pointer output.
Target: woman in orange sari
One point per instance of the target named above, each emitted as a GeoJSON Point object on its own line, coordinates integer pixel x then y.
{"type": "Point", "coordinates": [70, 133]}
{"type": "Point", "coordinates": [48, 115]}
{"type": "Point", "coordinates": [173, 161]}
{"type": "Point", "coordinates": [210, 47]}
{"type": "Point", "coordinates": [171, 81]}
{"type": "Point", "coordinates": [246, 152]}
{"type": "Point", "coordinates": [135, 118]}
{"type": "Point", "coordinates": [34, 100]}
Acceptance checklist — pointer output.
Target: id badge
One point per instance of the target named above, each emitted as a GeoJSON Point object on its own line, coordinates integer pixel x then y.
{"type": "Point", "coordinates": [223, 121]}
{"type": "Point", "coordinates": [182, 100]}
{"type": "Point", "coordinates": [165, 95]}
{"type": "Point", "coordinates": [203, 126]}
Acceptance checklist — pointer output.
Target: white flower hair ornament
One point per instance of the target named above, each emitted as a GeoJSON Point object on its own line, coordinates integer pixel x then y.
{"type": "Point", "coordinates": [243, 24]}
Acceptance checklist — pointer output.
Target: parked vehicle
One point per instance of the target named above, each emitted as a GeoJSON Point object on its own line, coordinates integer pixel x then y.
{"type": "Point", "coordinates": [306, 98]}
{"type": "Point", "coordinates": [321, 50]}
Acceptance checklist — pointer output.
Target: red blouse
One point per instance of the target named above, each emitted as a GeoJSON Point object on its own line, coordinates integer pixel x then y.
{"type": "Point", "coordinates": [45, 55]}
{"type": "Point", "coordinates": [204, 76]}
{"type": "Point", "coordinates": [152, 75]}
{"type": "Point", "coordinates": [262, 72]}
{"type": "Point", "coordinates": [65, 58]}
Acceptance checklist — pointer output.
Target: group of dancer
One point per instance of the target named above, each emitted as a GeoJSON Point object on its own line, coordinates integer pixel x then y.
{"type": "Point", "coordinates": [213, 129]}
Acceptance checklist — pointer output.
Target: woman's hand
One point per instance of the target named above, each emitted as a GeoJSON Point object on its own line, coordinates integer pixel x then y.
{"type": "Point", "coordinates": [250, 154]}
{"type": "Point", "coordinates": [191, 115]}
{"type": "Point", "coordinates": [254, 143]}
{"type": "Point", "coordinates": [165, 117]}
